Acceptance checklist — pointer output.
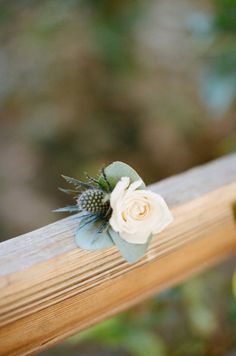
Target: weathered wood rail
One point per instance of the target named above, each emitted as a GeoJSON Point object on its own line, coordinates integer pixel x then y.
{"type": "Point", "coordinates": [49, 289]}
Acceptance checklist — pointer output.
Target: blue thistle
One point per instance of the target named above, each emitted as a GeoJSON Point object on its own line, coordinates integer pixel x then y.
{"type": "Point", "coordinates": [94, 201]}
{"type": "Point", "coordinates": [91, 198]}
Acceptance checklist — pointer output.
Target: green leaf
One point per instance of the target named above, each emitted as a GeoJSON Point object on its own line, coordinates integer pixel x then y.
{"type": "Point", "coordinates": [68, 191]}
{"type": "Point", "coordinates": [69, 209]}
{"type": "Point", "coordinates": [89, 239]}
{"type": "Point", "coordinates": [115, 171]}
{"type": "Point", "coordinates": [131, 252]}
{"type": "Point", "coordinates": [76, 182]}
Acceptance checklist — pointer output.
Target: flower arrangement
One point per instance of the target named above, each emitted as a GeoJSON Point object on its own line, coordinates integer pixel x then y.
{"type": "Point", "coordinates": [117, 209]}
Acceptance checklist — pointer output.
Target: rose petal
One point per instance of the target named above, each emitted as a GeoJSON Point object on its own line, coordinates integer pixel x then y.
{"type": "Point", "coordinates": [137, 213]}
{"type": "Point", "coordinates": [133, 186]}
{"type": "Point", "coordinates": [166, 217]}
{"type": "Point", "coordinates": [119, 190]}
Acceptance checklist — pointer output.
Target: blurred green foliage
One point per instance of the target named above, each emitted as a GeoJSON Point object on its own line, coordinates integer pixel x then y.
{"type": "Point", "coordinates": [219, 78]}
{"type": "Point", "coordinates": [225, 15]}
{"type": "Point", "coordinates": [124, 331]}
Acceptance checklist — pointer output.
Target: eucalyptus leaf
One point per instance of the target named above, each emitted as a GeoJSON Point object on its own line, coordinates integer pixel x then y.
{"type": "Point", "coordinates": [131, 252]}
{"type": "Point", "coordinates": [88, 237]}
{"type": "Point", "coordinates": [115, 171]}
{"type": "Point", "coordinates": [87, 220]}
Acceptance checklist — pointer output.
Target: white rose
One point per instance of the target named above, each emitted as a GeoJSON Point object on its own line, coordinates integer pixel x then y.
{"type": "Point", "coordinates": [136, 214]}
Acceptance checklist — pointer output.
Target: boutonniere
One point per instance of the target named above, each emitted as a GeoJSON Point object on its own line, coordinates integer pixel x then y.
{"type": "Point", "coordinates": [116, 209]}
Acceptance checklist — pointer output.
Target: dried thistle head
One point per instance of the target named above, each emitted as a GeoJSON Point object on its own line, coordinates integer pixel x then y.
{"type": "Point", "coordinates": [94, 201]}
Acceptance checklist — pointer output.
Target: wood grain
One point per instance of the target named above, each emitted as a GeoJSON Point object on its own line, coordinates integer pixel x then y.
{"type": "Point", "coordinates": [49, 289]}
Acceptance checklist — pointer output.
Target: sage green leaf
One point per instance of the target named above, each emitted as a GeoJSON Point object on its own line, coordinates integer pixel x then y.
{"type": "Point", "coordinates": [68, 191]}
{"type": "Point", "coordinates": [115, 171]}
{"type": "Point", "coordinates": [88, 237]}
{"type": "Point", "coordinates": [68, 209]}
{"type": "Point", "coordinates": [77, 183]}
{"type": "Point", "coordinates": [131, 252]}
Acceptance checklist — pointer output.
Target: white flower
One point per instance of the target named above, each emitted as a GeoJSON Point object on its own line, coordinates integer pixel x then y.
{"type": "Point", "coordinates": [136, 213]}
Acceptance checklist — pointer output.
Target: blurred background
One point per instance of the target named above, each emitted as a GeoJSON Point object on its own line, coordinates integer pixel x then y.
{"type": "Point", "coordinates": [84, 83]}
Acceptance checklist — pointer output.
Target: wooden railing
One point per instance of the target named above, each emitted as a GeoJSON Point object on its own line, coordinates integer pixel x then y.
{"type": "Point", "coordinates": [50, 289]}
